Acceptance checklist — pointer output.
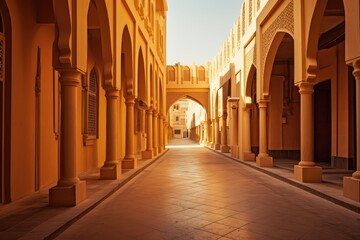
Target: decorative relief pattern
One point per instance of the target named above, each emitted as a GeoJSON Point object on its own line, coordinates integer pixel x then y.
{"type": "Point", "coordinates": [285, 21]}
{"type": "Point", "coordinates": [2, 57]}
{"type": "Point", "coordinates": [243, 19]}
{"type": "Point", "coordinates": [258, 5]}
{"type": "Point", "coordinates": [250, 11]}
{"type": "Point", "coordinates": [249, 60]}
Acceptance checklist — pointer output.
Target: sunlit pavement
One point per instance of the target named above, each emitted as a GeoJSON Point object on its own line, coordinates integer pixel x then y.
{"type": "Point", "coordinates": [195, 193]}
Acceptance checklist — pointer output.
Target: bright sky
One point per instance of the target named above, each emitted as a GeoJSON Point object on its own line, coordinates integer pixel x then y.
{"type": "Point", "coordinates": [196, 29]}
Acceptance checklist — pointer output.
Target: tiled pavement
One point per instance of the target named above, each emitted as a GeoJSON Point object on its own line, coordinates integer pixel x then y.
{"type": "Point", "coordinates": [189, 193]}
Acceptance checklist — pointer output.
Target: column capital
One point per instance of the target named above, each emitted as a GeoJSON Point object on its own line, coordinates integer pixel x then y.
{"type": "Point", "coordinates": [234, 102]}
{"type": "Point", "coordinates": [70, 77]}
{"type": "Point", "coordinates": [112, 93]}
{"type": "Point", "coordinates": [129, 99]}
{"type": "Point", "coordinates": [161, 116]}
{"type": "Point", "coordinates": [149, 111]}
{"type": "Point", "coordinates": [263, 103]}
{"type": "Point", "coordinates": [306, 87]}
{"type": "Point", "coordinates": [356, 65]}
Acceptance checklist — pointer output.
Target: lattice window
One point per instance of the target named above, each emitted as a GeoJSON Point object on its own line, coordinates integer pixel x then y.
{"type": "Point", "coordinates": [92, 119]}
{"type": "Point", "coordinates": [243, 19]}
{"type": "Point", "coordinates": [2, 57]}
{"type": "Point", "coordinates": [258, 4]}
{"type": "Point", "coordinates": [250, 11]}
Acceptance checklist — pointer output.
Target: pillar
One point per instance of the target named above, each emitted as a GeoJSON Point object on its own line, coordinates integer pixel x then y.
{"type": "Point", "coordinates": [166, 125]}
{"type": "Point", "coordinates": [306, 170]}
{"type": "Point", "coordinates": [161, 133]}
{"type": "Point", "coordinates": [234, 107]}
{"type": "Point", "coordinates": [208, 133]}
{"type": "Point", "coordinates": [247, 154]}
{"type": "Point", "coordinates": [111, 168]}
{"type": "Point", "coordinates": [263, 159]}
{"type": "Point", "coordinates": [352, 184]}
{"type": "Point", "coordinates": [129, 161]}
{"type": "Point", "coordinates": [224, 138]}
{"type": "Point", "coordinates": [155, 133]}
{"type": "Point", "coordinates": [217, 134]}
{"type": "Point", "coordinates": [148, 153]}
{"type": "Point", "coordinates": [69, 190]}
{"type": "Point", "coordinates": [212, 142]}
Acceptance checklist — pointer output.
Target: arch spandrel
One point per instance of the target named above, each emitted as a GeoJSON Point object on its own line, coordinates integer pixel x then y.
{"type": "Point", "coordinates": [199, 97]}
{"type": "Point", "coordinates": [127, 62]}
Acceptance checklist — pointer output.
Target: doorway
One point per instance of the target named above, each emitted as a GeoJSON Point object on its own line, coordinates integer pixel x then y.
{"type": "Point", "coordinates": [322, 122]}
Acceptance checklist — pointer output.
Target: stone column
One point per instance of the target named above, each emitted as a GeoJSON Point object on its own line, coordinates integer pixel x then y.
{"type": "Point", "coordinates": [263, 159]}
{"type": "Point", "coordinates": [217, 134]}
{"type": "Point", "coordinates": [111, 168]}
{"type": "Point", "coordinates": [161, 133]}
{"type": "Point", "coordinates": [352, 184]}
{"type": "Point", "coordinates": [148, 153]}
{"type": "Point", "coordinates": [212, 143]}
{"type": "Point", "coordinates": [224, 138]}
{"type": "Point", "coordinates": [247, 154]}
{"type": "Point", "coordinates": [208, 133]}
{"type": "Point", "coordinates": [234, 106]}
{"type": "Point", "coordinates": [130, 161]}
{"type": "Point", "coordinates": [166, 126]}
{"type": "Point", "coordinates": [155, 133]}
{"type": "Point", "coordinates": [69, 190]}
{"type": "Point", "coordinates": [306, 171]}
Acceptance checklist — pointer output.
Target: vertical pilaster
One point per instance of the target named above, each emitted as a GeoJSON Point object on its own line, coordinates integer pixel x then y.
{"type": "Point", "coordinates": [208, 132]}
{"type": "Point", "coordinates": [306, 171]}
{"type": "Point", "coordinates": [247, 154]}
{"type": "Point", "coordinates": [111, 168]}
{"type": "Point", "coordinates": [212, 133]}
{"type": "Point", "coordinates": [352, 184]}
{"type": "Point", "coordinates": [263, 159]}
{"type": "Point", "coordinates": [129, 161]}
{"type": "Point", "coordinates": [161, 133]}
{"type": "Point", "coordinates": [217, 134]}
{"type": "Point", "coordinates": [69, 190]}
{"type": "Point", "coordinates": [224, 137]}
{"type": "Point", "coordinates": [148, 153]}
{"type": "Point", "coordinates": [155, 132]}
{"type": "Point", "coordinates": [234, 107]}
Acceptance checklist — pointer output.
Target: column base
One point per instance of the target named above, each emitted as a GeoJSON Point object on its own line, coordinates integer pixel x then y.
{"type": "Point", "coordinates": [225, 149]}
{"type": "Point", "coordinates": [249, 156]}
{"type": "Point", "coordinates": [129, 163]}
{"type": "Point", "coordinates": [110, 172]}
{"type": "Point", "coordinates": [147, 154]}
{"type": "Point", "coordinates": [212, 145]}
{"type": "Point", "coordinates": [235, 151]}
{"type": "Point", "coordinates": [217, 146]}
{"type": "Point", "coordinates": [67, 196]}
{"type": "Point", "coordinates": [160, 150]}
{"type": "Point", "coordinates": [264, 161]}
{"type": "Point", "coordinates": [306, 174]}
{"type": "Point", "coordinates": [351, 188]}
{"type": "Point", "coordinates": [155, 152]}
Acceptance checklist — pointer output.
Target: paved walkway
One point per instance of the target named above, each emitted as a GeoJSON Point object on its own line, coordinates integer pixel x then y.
{"type": "Point", "coordinates": [195, 193]}
{"type": "Point", "coordinates": [190, 192]}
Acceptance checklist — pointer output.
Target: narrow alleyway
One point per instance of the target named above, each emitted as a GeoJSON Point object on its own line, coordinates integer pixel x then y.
{"type": "Point", "coordinates": [194, 193]}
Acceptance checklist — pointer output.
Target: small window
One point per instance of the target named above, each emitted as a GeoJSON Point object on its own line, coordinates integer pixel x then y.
{"type": "Point", "coordinates": [92, 104]}
{"type": "Point", "coordinates": [177, 119]}
{"type": "Point", "coordinates": [177, 131]}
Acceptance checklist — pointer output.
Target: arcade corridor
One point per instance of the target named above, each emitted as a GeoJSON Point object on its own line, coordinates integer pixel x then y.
{"type": "Point", "coordinates": [194, 193]}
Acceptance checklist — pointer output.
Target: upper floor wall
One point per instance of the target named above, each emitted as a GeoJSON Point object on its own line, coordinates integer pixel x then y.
{"type": "Point", "coordinates": [179, 76]}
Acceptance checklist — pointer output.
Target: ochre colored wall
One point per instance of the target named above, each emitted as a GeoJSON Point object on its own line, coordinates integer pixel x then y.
{"type": "Point", "coordinates": [27, 36]}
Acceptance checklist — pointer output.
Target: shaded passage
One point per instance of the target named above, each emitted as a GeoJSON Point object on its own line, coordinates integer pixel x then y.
{"type": "Point", "coordinates": [194, 193]}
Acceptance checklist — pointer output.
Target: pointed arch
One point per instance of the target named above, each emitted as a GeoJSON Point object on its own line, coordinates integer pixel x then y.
{"type": "Point", "coordinates": [127, 62]}
{"type": "Point", "coordinates": [249, 79]}
{"type": "Point", "coordinates": [269, 62]}
{"type": "Point", "coordinates": [106, 44]}
{"type": "Point", "coordinates": [142, 84]}
{"type": "Point", "coordinates": [5, 126]}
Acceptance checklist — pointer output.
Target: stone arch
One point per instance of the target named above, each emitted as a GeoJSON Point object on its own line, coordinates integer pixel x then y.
{"type": "Point", "coordinates": [191, 96]}
{"type": "Point", "coordinates": [269, 60]}
{"type": "Point", "coordinates": [62, 43]}
{"type": "Point", "coordinates": [249, 78]}
{"type": "Point", "coordinates": [313, 39]}
{"type": "Point", "coordinates": [161, 97]}
{"type": "Point", "coordinates": [105, 33]}
{"type": "Point", "coordinates": [142, 84]}
{"type": "Point", "coordinates": [126, 63]}
{"type": "Point", "coordinates": [5, 127]}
